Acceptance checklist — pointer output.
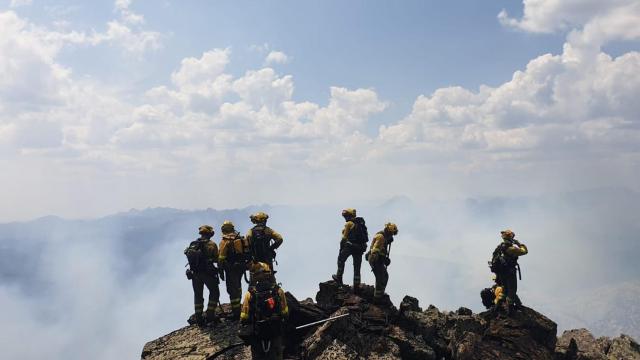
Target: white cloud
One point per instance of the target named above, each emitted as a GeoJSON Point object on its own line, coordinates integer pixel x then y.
{"type": "Point", "coordinates": [277, 57]}
{"type": "Point", "coordinates": [603, 20]}
{"type": "Point", "coordinates": [555, 104]}
{"type": "Point", "coordinates": [579, 105]}
{"type": "Point", "coordinates": [264, 88]}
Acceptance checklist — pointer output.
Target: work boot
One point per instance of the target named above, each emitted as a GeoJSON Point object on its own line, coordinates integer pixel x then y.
{"type": "Point", "coordinates": [211, 318]}
{"type": "Point", "coordinates": [337, 278]}
{"type": "Point", "coordinates": [196, 319]}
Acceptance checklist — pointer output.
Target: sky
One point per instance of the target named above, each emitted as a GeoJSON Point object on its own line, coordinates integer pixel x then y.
{"type": "Point", "coordinates": [111, 105]}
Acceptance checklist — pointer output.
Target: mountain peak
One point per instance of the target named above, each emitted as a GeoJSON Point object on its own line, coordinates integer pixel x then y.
{"type": "Point", "coordinates": [382, 331]}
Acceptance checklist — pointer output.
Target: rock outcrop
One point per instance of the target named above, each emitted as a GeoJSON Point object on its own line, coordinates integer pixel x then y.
{"type": "Point", "coordinates": [382, 331]}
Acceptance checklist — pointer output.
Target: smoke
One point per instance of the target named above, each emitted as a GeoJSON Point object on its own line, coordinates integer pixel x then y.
{"type": "Point", "coordinates": [102, 288]}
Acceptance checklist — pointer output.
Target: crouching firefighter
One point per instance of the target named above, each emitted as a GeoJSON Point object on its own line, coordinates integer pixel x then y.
{"type": "Point", "coordinates": [264, 311]}
{"type": "Point", "coordinates": [378, 257]}
{"type": "Point", "coordinates": [353, 243]}
{"type": "Point", "coordinates": [233, 261]}
{"type": "Point", "coordinates": [263, 240]}
{"type": "Point", "coordinates": [202, 254]}
{"type": "Point", "coordinates": [504, 263]}
{"type": "Point", "coordinates": [493, 295]}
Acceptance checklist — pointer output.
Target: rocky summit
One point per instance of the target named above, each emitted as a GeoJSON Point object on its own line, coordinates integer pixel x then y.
{"type": "Point", "coordinates": [385, 332]}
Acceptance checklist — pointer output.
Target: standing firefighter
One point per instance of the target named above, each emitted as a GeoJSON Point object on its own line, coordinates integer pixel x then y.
{"type": "Point", "coordinates": [504, 263]}
{"type": "Point", "coordinates": [354, 244]}
{"type": "Point", "coordinates": [379, 259]}
{"type": "Point", "coordinates": [264, 310]}
{"type": "Point", "coordinates": [260, 239]}
{"type": "Point", "coordinates": [202, 255]}
{"type": "Point", "coordinates": [233, 259]}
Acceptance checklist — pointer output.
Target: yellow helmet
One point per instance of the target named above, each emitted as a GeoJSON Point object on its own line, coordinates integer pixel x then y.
{"type": "Point", "coordinates": [259, 217]}
{"type": "Point", "coordinates": [391, 228]}
{"type": "Point", "coordinates": [256, 267]}
{"type": "Point", "coordinates": [260, 272]}
{"type": "Point", "coordinates": [227, 227]}
{"type": "Point", "coordinates": [206, 230]}
{"type": "Point", "coordinates": [349, 213]}
{"type": "Point", "coordinates": [507, 234]}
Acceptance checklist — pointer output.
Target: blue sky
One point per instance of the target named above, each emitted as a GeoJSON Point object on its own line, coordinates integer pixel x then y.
{"type": "Point", "coordinates": [124, 101]}
{"type": "Point", "coordinates": [400, 50]}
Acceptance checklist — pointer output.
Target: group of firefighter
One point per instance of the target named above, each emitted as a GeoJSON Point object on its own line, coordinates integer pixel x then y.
{"type": "Point", "coordinates": [263, 309]}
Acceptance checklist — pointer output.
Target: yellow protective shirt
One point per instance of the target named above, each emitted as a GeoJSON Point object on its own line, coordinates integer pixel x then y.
{"type": "Point", "coordinates": [348, 226]}
{"type": "Point", "coordinates": [517, 250]}
{"type": "Point", "coordinates": [379, 245]}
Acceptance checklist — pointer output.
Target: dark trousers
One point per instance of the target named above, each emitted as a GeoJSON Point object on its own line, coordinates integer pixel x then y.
{"type": "Point", "coordinates": [510, 281]}
{"type": "Point", "coordinates": [382, 277]}
{"type": "Point", "coordinates": [356, 254]}
{"type": "Point", "coordinates": [274, 347]}
{"type": "Point", "coordinates": [198, 282]}
{"type": "Point", "coordinates": [233, 280]}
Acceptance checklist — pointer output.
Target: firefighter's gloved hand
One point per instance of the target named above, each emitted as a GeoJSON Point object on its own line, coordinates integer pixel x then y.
{"type": "Point", "coordinates": [189, 274]}
{"type": "Point", "coordinates": [387, 261]}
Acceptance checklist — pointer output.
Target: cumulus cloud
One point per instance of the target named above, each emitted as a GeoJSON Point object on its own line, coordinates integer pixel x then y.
{"type": "Point", "coordinates": [578, 105]}
{"type": "Point", "coordinates": [577, 102]}
{"type": "Point", "coordinates": [592, 23]}
{"type": "Point", "coordinates": [277, 57]}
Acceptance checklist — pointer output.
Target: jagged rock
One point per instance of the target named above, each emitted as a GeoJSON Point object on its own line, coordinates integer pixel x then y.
{"type": "Point", "coordinates": [381, 331]}
{"type": "Point", "coordinates": [197, 343]}
{"type": "Point", "coordinates": [580, 344]}
{"type": "Point", "coordinates": [462, 335]}
{"type": "Point", "coordinates": [409, 303]}
{"type": "Point", "coordinates": [624, 347]}
{"type": "Point", "coordinates": [464, 311]}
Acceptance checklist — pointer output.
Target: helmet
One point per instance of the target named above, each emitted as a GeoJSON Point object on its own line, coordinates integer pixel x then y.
{"type": "Point", "coordinates": [350, 213]}
{"type": "Point", "coordinates": [259, 268]}
{"type": "Point", "coordinates": [206, 230]}
{"type": "Point", "coordinates": [260, 272]}
{"type": "Point", "coordinates": [507, 234]}
{"type": "Point", "coordinates": [391, 228]}
{"type": "Point", "coordinates": [227, 227]}
{"type": "Point", "coordinates": [259, 217]}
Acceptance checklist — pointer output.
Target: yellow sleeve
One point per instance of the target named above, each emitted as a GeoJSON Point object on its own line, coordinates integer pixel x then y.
{"type": "Point", "coordinates": [347, 228]}
{"type": "Point", "coordinates": [249, 237]}
{"type": "Point", "coordinates": [212, 249]}
{"type": "Point", "coordinates": [224, 249]}
{"type": "Point", "coordinates": [499, 294]}
{"type": "Point", "coordinates": [283, 302]}
{"type": "Point", "coordinates": [277, 238]}
{"type": "Point", "coordinates": [244, 312]}
{"type": "Point", "coordinates": [517, 250]}
{"type": "Point", "coordinates": [378, 245]}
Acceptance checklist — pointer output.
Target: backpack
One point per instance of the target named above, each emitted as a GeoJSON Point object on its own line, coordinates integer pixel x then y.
{"type": "Point", "coordinates": [239, 251]}
{"type": "Point", "coordinates": [487, 295]}
{"type": "Point", "coordinates": [359, 234]}
{"type": "Point", "coordinates": [498, 263]}
{"type": "Point", "coordinates": [260, 245]}
{"type": "Point", "coordinates": [266, 306]}
{"type": "Point", "coordinates": [197, 257]}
